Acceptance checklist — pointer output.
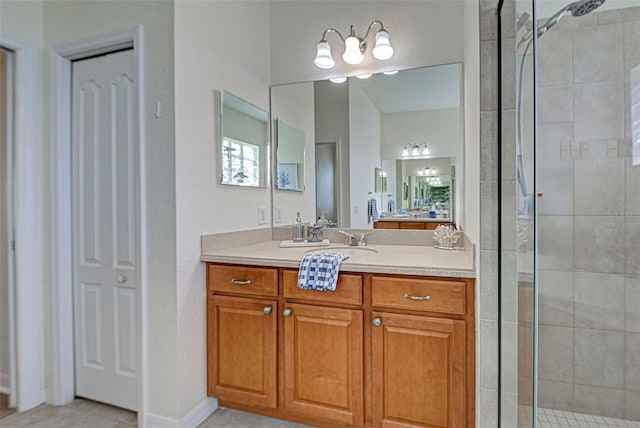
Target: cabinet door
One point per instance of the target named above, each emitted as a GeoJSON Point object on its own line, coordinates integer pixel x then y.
{"type": "Point", "coordinates": [323, 363]}
{"type": "Point", "coordinates": [418, 371]}
{"type": "Point", "coordinates": [242, 350]}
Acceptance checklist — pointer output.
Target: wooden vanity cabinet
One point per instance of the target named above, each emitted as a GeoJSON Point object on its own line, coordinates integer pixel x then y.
{"type": "Point", "coordinates": [422, 351]}
{"type": "Point", "coordinates": [323, 363]}
{"type": "Point", "coordinates": [411, 225]}
{"type": "Point", "coordinates": [381, 351]}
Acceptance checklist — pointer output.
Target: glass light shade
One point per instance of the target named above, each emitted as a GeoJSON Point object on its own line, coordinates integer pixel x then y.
{"type": "Point", "coordinates": [339, 79]}
{"type": "Point", "coordinates": [405, 151]}
{"type": "Point", "coordinates": [323, 55]}
{"type": "Point", "coordinates": [383, 49]}
{"type": "Point", "coordinates": [390, 73]}
{"type": "Point", "coordinates": [425, 150]}
{"type": "Point", "coordinates": [352, 54]}
{"type": "Point", "coordinates": [415, 151]}
{"type": "Point", "coordinates": [363, 76]}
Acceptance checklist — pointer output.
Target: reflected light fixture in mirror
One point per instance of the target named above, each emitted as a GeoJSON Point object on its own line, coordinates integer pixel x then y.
{"type": "Point", "coordinates": [354, 47]}
{"type": "Point", "coordinates": [338, 79]}
{"type": "Point", "coordinates": [363, 76]}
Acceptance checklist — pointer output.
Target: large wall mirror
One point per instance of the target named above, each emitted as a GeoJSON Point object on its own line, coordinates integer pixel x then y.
{"type": "Point", "coordinates": [244, 142]}
{"type": "Point", "coordinates": [402, 129]}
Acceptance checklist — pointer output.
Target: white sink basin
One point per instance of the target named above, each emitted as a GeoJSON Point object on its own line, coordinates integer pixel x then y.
{"type": "Point", "coordinates": [349, 251]}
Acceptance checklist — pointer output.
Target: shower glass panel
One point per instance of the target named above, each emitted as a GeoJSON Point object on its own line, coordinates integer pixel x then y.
{"type": "Point", "coordinates": [570, 313]}
{"type": "Point", "coordinates": [517, 226]}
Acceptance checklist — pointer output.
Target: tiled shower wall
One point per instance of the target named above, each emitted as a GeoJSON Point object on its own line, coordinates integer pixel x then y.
{"type": "Point", "coordinates": [589, 217]}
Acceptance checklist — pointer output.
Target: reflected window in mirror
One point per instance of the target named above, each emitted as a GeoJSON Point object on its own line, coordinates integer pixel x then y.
{"type": "Point", "coordinates": [244, 142]}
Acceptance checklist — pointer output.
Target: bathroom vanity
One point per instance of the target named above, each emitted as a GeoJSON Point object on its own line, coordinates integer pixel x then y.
{"type": "Point", "coordinates": [392, 346]}
{"type": "Point", "coordinates": [410, 223]}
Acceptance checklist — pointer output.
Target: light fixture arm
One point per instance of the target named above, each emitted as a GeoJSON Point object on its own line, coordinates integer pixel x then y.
{"type": "Point", "coordinates": [370, 27]}
{"type": "Point", "coordinates": [332, 30]}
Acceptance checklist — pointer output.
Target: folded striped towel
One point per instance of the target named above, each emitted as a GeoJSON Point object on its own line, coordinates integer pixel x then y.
{"type": "Point", "coordinates": [319, 270]}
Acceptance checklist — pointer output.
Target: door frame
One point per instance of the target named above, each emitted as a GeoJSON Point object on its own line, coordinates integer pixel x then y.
{"type": "Point", "coordinates": [27, 327]}
{"type": "Point", "coordinates": [62, 346]}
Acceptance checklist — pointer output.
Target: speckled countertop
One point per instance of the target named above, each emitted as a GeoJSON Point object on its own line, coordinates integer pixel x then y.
{"type": "Point", "coordinates": [393, 259]}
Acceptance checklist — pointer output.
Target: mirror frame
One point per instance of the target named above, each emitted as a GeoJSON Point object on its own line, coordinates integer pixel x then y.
{"type": "Point", "coordinates": [457, 188]}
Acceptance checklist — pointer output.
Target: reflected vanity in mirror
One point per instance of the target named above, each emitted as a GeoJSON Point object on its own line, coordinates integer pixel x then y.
{"type": "Point", "coordinates": [244, 142]}
{"type": "Point", "coordinates": [290, 143]}
{"type": "Point", "coordinates": [397, 125]}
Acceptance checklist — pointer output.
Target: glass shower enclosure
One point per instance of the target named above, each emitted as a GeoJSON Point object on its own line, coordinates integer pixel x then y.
{"type": "Point", "coordinates": [570, 213]}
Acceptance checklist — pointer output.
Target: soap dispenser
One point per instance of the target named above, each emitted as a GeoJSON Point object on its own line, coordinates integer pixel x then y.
{"type": "Point", "coordinates": [298, 230]}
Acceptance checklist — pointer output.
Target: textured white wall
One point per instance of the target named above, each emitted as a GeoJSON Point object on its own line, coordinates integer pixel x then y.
{"type": "Point", "coordinates": [439, 129]}
{"type": "Point", "coordinates": [69, 21]}
{"type": "Point", "coordinates": [218, 44]}
{"type": "Point", "coordinates": [422, 33]}
{"type": "Point", "coordinates": [364, 156]}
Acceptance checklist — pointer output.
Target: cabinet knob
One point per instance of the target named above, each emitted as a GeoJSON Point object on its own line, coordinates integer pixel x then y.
{"type": "Point", "coordinates": [239, 282]}
{"type": "Point", "coordinates": [410, 297]}
{"type": "Point", "coordinates": [122, 279]}
{"type": "Point", "coordinates": [287, 312]}
{"type": "Point", "coordinates": [377, 322]}
{"type": "Point", "coordinates": [267, 310]}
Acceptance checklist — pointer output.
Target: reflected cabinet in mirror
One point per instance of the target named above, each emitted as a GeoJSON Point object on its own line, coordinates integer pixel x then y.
{"type": "Point", "coordinates": [244, 142]}
{"type": "Point", "coordinates": [392, 138]}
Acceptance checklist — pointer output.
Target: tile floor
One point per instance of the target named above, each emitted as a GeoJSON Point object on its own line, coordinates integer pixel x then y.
{"type": "Point", "coordinates": [550, 418]}
{"type": "Point", "coordinates": [83, 413]}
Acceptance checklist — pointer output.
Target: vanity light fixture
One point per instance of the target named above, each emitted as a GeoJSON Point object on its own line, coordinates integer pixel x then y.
{"type": "Point", "coordinates": [405, 151]}
{"type": "Point", "coordinates": [338, 79]}
{"type": "Point", "coordinates": [354, 47]}
{"type": "Point", "coordinates": [415, 150]}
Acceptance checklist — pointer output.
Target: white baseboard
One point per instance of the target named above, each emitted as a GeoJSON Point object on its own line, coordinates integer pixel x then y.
{"type": "Point", "coordinates": [5, 386]}
{"type": "Point", "coordinates": [199, 413]}
{"type": "Point", "coordinates": [191, 420]}
{"type": "Point", "coordinates": [156, 421]}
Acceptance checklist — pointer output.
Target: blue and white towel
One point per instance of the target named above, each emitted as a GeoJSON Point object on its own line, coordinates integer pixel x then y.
{"type": "Point", "coordinates": [373, 209]}
{"type": "Point", "coordinates": [319, 270]}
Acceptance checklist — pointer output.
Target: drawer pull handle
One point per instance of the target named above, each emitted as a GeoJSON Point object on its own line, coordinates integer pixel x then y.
{"type": "Point", "coordinates": [267, 310]}
{"type": "Point", "coordinates": [287, 312]}
{"type": "Point", "coordinates": [238, 282]}
{"type": "Point", "coordinates": [410, 297]}
{"type": "Point", "coordinates": [377, 322]}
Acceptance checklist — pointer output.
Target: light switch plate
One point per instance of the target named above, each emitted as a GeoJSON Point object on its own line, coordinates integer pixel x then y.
{"type": "Point", "coordinates": [262, 215]}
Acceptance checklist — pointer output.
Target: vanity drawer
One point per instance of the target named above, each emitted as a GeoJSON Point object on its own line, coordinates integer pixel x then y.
{"type": "Point", "coordinates": [415, 225]}
{"type": "Point", "coordinates": [243, 279]}
{"type": "Point", "coordinates": [386, 225]}
{"type": "Point", "coordinates": [419, 294]}
{"type": "Point", "coordinates": [348, 289]}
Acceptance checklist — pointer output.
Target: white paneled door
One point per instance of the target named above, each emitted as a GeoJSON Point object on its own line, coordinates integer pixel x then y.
{"type": "Point", "coordinates": [105, 229]}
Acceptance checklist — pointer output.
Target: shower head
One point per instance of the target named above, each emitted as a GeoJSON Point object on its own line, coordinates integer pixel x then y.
{"type": "Point", "coordinates": [577, 8]}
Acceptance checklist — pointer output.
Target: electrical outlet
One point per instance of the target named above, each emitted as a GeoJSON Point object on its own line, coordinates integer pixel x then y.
{"type": "Point", "coordinates": [278, 216]}
{"type": "Point", "coordinates": [262, 215]}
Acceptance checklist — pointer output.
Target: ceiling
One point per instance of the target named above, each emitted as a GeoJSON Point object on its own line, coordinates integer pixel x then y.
{"type": "Point", "coordinates": [426, 88]}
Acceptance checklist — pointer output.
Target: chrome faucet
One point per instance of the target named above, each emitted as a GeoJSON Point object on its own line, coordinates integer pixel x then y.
{"type": "Point", "coordinates": [362, 239]}
{"type": "Point", "coordinates": [349, 238]}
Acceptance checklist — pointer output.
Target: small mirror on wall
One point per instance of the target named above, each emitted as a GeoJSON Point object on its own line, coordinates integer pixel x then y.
{"type": "Point", "coordinates": [289, 157]}
{"type": "Point", "coordinates": [244, 141]}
